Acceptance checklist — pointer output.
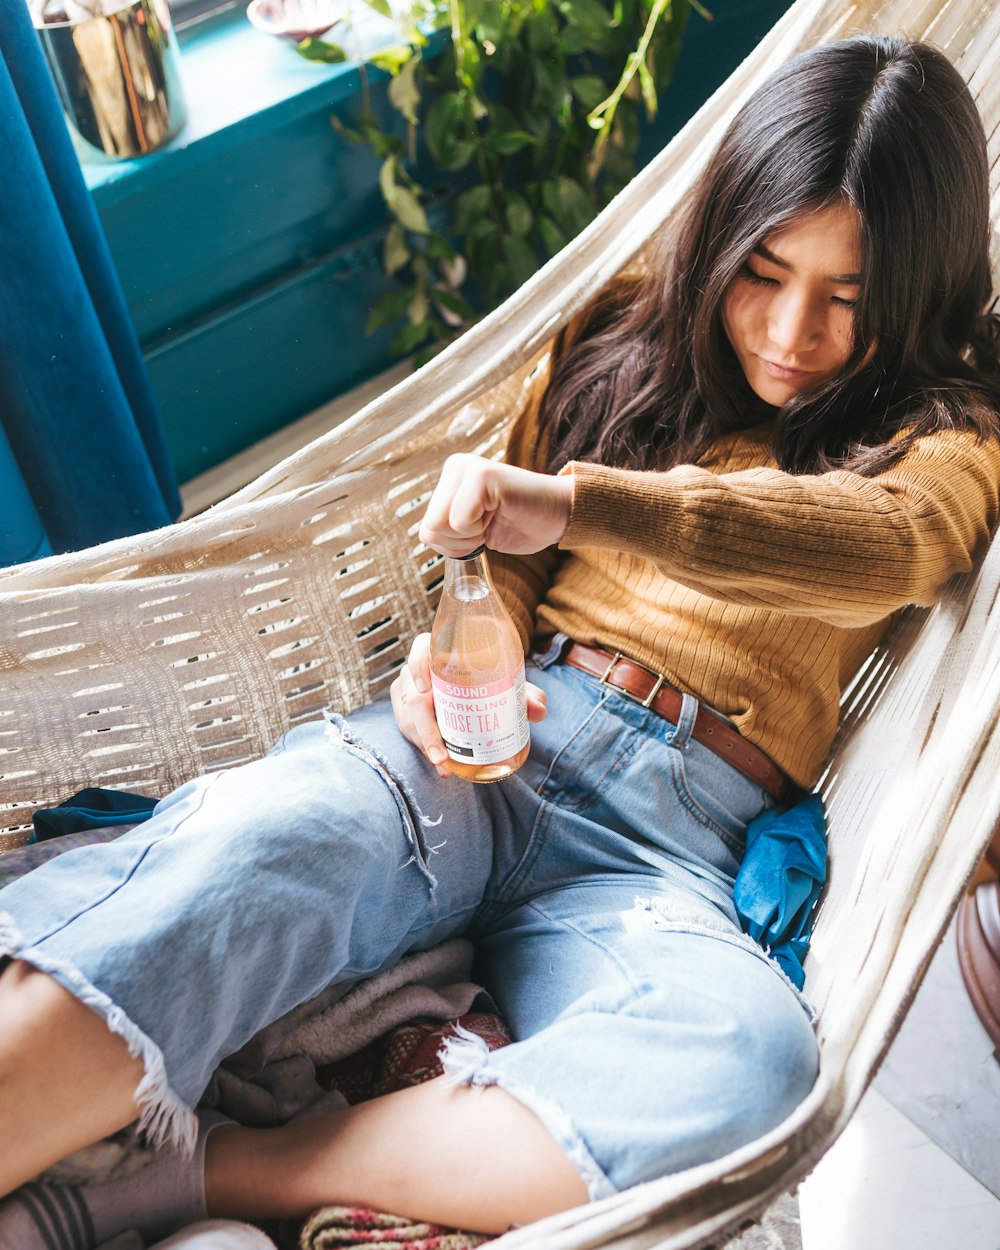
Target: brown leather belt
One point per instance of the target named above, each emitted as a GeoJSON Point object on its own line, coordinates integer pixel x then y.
{"type": "Point", "coordinates": [653, 691]}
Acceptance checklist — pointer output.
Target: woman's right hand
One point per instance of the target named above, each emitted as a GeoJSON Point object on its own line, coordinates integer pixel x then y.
{"type": "Point", "coordinates": [413, 704]}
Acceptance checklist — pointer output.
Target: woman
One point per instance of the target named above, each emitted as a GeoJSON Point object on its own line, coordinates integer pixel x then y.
{"type": "Point", "coordinates": [763, 446]}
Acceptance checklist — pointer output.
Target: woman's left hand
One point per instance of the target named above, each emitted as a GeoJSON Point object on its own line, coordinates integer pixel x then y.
{"type": "Point", "coordinates": [509, 509]}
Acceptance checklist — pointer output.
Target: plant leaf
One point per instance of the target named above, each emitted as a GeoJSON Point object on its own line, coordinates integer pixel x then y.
{"type": "Point", "coordinates": [445, 127]}
{"type": "Point", "coordinates": [392, 59]}
{"type": "Point", "coordinates": [484, 228]}
{"type": "Point", "coordinates": [418, 308]}
{"type": "Point", "coordinates": [521, 259]}
{"type": "Point", "coordinates": [407, 210]}
{"type": "Point", "coordinates": [519, 216]}
{"type": "Point", "coordinates": [395, 254]}
{"type": "Point", "coordinates": [321, 51]}
{"type": "Point", "coordinates": [569, 203]}
{"type": "Point", "coordinates": [552, 92]}
{"type": "Point", "coordinates": [552, 237]}
{"type": "Point", "coordinates": [474, 11]}
{"type": "Point", "coordinates": [589, 90]}
{"type": "Point", "coordinates": [389, 308]}
{"type": "Point", "coordinates": [505, 143]}
{"type": "Point", "coordinates": [472, 206]}
{"type": "Point", "coordinates": [440, 249]}
{"type": "Point", "coordinates": [404, 91]}
{"type": "Point", "coordinates": [387, 179]}
{"type": "Point", "coordinates": [453, 302]}
{"type": "Point", "coordinates": [590, 17]}
{"type": "Point", "coordinates": [572, 41]}
{"type": "Point", "coordinates": [381, 144]}
{"type": "Point", "coordinates": [408, 337]}
{"type": "Point", "coordinates": [380, 6]}
{"type": "Point", "coordinates": [402, 202]}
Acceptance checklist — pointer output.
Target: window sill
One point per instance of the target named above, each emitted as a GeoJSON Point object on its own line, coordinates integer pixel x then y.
{"type": "Point", "coordinates": [238, 82]}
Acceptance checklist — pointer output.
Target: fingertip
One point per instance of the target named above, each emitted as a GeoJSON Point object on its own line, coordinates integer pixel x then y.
{"type": "Point", "coordinates": [537, 704]}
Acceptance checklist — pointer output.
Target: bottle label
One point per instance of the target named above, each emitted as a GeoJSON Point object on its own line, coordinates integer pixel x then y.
{"type": "Point", "coordinates": [482, 724]}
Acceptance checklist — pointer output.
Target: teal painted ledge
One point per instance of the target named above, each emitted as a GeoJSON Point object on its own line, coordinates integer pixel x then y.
{"type": "Point", "coordinates": [249, 247]}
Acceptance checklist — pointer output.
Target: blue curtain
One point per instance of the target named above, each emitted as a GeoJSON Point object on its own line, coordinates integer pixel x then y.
{"type": "Point", "coordinates": [80, 424]}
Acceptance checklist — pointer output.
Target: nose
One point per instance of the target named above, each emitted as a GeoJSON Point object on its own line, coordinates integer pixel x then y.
{"type": "Point", "coordinates": [793, 322]}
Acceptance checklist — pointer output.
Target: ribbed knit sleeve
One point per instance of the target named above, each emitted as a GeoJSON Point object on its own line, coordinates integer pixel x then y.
{"type": "Point", "coordinates": [838, 547]}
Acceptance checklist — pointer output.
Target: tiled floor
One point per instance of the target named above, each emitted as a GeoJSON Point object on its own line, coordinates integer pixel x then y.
{"type": "Point", "coordinates": [918, 1167]}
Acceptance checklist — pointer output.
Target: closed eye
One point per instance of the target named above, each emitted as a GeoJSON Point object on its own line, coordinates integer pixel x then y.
{"type": "Point", "coordinates": [760, 279]}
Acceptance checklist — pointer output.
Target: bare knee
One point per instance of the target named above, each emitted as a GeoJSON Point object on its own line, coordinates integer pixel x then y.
{"type": "Point", "coordinates": [28, 993]}
{"type": "Point", "coordinates": [65, 1079]}
{"type": "Point", "coordinates": [45, 1025]}
{"type": "Point", "coordinates": [25, 992]}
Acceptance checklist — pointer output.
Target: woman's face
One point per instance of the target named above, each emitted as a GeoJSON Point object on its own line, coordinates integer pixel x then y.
{"type": "Point", "coordinates": [789, 312]}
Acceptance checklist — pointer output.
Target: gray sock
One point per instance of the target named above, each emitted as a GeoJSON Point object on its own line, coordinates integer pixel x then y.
{"type": "Point", "coordinates": [159, 1198]}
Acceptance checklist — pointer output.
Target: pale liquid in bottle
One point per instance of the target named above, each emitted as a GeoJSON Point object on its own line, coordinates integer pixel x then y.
{"type": "Point", "coordinates": [477, 673]}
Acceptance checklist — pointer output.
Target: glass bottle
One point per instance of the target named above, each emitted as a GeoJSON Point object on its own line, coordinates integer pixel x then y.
{"type": "Point", "coordinates": [477, 674]}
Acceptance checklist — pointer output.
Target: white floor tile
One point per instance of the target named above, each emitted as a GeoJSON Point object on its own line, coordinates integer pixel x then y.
{"type": "Point", "coordinates": [941, 1072]}
{"type": "Point", "coordinates": [885, 1185]}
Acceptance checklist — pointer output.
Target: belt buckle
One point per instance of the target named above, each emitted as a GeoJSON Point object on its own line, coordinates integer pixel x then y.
{"type": "Point", "coordinates": [616, 659]}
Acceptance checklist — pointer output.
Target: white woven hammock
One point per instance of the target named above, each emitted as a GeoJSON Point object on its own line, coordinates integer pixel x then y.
{"type": "Point", "coordinates": [145, 661]}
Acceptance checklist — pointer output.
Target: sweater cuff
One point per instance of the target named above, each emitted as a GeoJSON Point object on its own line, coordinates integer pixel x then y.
{"type": "Point", "coordinates": [619, 508]}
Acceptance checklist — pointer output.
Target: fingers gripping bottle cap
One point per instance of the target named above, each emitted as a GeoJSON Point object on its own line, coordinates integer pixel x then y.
{"type": "Point", "coordinates": [477, 674]}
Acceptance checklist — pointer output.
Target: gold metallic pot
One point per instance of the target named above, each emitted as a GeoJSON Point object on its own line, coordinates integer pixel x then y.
{"type": "Point", "coordinates": [118, 78]}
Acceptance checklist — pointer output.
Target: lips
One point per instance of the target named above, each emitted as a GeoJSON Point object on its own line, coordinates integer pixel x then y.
{"type": "Point", "coordinates": [783, 373]}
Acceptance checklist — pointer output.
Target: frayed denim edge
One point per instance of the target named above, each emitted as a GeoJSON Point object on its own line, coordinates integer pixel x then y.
{"type": "Point", "coordinates": [465, 1060]}
{"type": "Point", "coordinates": [164, 1119]}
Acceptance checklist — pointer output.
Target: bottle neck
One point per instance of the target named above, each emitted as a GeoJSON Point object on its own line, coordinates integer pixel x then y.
{"type": "Point", "coordinates": [469, 572]}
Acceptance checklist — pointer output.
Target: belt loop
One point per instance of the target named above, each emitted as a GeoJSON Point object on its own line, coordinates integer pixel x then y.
{"type": "Point", "coordinates": [549, 651]}
{"type": "Point", "coordinates": [681, 735]}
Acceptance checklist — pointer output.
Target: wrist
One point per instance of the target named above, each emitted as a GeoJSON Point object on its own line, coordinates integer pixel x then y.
{"type": "Point", "coordinates": [565, 487]}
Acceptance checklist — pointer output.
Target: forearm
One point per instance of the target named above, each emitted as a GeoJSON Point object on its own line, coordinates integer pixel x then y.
{"type": "Point", "coordinates": [836, 546]}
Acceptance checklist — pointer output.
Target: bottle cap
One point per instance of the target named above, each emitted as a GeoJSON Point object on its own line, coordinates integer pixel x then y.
{"type": "Point", "coordinates": [471, 555]}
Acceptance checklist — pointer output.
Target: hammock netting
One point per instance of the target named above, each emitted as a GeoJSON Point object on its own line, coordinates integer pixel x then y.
{"type": "Point", "coordinates": [145, 661]}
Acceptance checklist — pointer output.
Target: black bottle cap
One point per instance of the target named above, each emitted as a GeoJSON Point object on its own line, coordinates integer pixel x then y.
{"type": "Point", "coordinates": [471, 555]}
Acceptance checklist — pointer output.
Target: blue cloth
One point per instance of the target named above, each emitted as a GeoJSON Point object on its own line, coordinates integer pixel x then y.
{"type": "Point", "coordinates": [780, 879]}
{"type": "Point", "coordinates": [75, 400]}
{"type": "Point", "coordinates": [92, 808]}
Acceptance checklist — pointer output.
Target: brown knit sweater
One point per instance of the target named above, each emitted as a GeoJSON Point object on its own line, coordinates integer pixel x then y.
{"type": "Point", "coordinates": [759, 591]}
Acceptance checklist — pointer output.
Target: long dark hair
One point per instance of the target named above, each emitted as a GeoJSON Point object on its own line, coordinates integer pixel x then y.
{"type": "Point", "coordinates": [886, 125]}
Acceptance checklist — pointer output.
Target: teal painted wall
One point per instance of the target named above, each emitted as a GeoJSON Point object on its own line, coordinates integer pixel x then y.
{"type": "Point", "coordinates": [249, 249]}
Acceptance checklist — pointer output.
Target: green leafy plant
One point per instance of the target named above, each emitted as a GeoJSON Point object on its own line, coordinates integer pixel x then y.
{"type": "Point", "coordinates": [530, 116]}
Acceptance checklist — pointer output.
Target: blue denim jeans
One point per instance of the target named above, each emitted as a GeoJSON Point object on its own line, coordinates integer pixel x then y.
{"type": "Point", "coordinates": [650, 1034]}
